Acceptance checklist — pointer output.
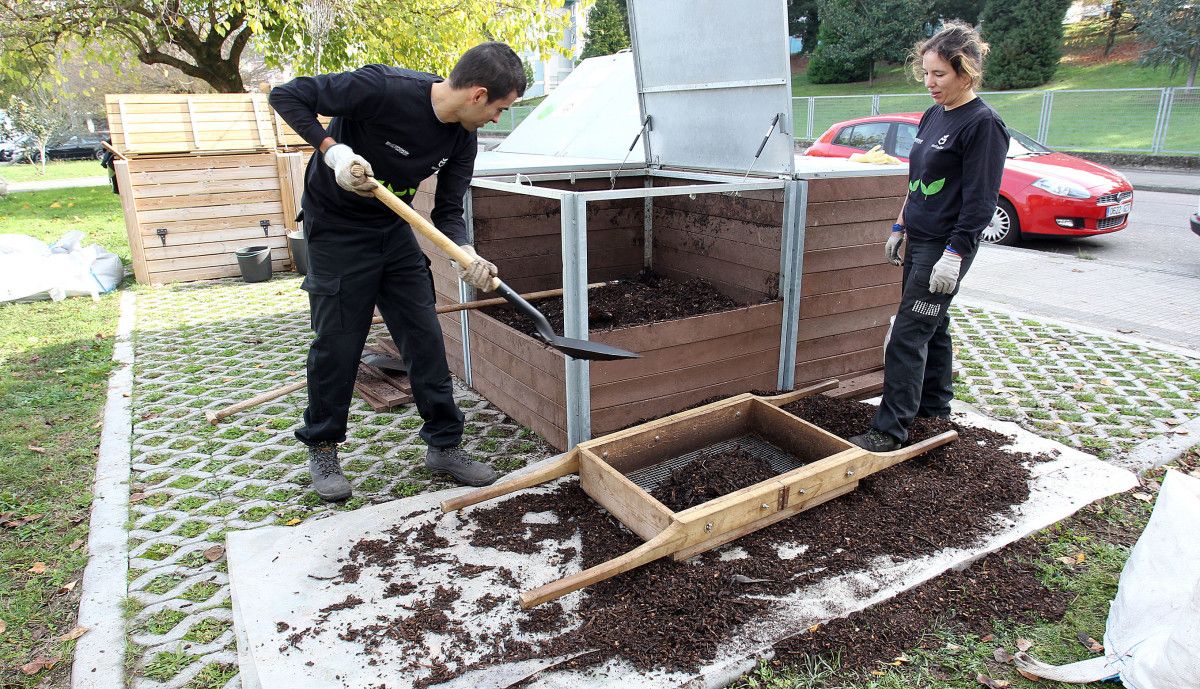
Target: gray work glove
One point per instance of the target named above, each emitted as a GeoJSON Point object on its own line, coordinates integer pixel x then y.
{"type": "Point", "coordinates": [342, 159]}
{"type": "Point", "coordinates": [479, 273]}
{"type": "Point", "coordinates": [892, 249]}
{"type": "Point", "coordinates": [944, 277]}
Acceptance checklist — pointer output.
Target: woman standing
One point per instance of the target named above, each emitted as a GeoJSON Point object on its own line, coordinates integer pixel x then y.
{"type": "Point", "coordinates": [953, 180]}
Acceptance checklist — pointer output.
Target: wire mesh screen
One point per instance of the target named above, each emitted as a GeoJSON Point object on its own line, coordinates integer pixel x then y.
{"type": "Point", "coordinates": [1182, 133]}
{"type": "Point", "coordinates": [829, 110]}
{"type": "Point", "coordinates": [509, 119]}
{"type": "Point", "coordinates": [1108, 120]}
{"type": "Point", "coordinates": [780, 460]}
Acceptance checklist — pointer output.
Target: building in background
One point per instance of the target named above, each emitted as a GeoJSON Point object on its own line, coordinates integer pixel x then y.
{"type": "Point", "coordinates": [549, 73]}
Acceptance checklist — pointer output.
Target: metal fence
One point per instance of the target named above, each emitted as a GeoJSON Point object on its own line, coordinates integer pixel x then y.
{"type": "Point", "coordinates": [1141, 120]}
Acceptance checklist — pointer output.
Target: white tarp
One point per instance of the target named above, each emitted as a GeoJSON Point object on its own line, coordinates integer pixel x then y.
{"type": "Point", "coordinates": [1152, 638]}
{"type": "Point", "coordinates": [281, 574]}
{"type": "Point", "coordinates": [31, 270]}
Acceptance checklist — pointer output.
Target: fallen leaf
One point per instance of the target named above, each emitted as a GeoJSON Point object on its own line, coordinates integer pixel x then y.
{"type": "Point", "coordinates": [899, 660]}
{"type": "Point", "coordinates": [1144, 497]}
{"type": "Point", "coordinates": [1079, 558]}
{"type": "Point", "coordinates": [73, 634]}
{"type": "Point", "coordinates": [56, 204]}
{"type": "Point", "coordinates": [3, 626]}
{"type": "Point", "coordinates": [1001, 655]}
{"type": "Point", "coordinates": [955, 648]}
{"type": "Point", "coordinates": [1089, 643]}
{"type": "Point", "coordinates": [22, 521]}
{"type": "Point", "coordinates": [1107, 381]}
{"type": "Point", "coordinates": [76, 545]}
{"type": "Point", "coordinates": [1028, 675]}
{"type": "Point", "coordinates": [293, 521]}
{"type": "Point", "coordinates": [1024, 645]}
{"type": "Point", "coordinates": [68, 587]}
{"type": "Point", "coordinates": [991, 683]}
{"type": "Point", "coordinates": [813, 629]}
{"type": "Point", "coordinates": [987, 637]}
{"type": "Point", "coordinates": [1078, 386]}
{"type": "Point", "coordinates": [38, 664]}
{"type": "Point", "coordinates": [1172, 422]}
{"type": "Point", "coordinates": [37, 568]}
{"type": "Point", "coordinates": [878, 673]}
{"type": "Point", "coordinates": [37, 449]}
{"type": "Point", "coordinates": [214, 553]}
{"type": "Point", "coordinates": [137, 497]}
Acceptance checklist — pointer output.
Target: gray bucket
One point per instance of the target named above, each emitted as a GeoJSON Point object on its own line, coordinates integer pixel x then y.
{"type": "Point", "coordinates": [255, 263]}
{"type": "Point", "coordinates": [299, 249]}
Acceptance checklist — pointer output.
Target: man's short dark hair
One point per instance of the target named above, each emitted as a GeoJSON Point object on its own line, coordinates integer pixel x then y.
{"type": "Point", "coordinates": [492, 65]}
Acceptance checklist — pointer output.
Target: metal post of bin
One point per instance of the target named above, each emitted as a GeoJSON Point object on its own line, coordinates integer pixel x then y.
{"type": "Point", "coordinates": [791, 273]}
{"type": "Point", "coordinates": [575, 315]}
{"type": "Point", "coordinates": [467, 293]}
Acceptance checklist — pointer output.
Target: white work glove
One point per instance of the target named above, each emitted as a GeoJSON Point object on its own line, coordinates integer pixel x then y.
{"type": "Point", "coordinates": [479, 273]}
{"type": "Point", "coordinates": [894, 242]}
{"type": "Point", "coordinates": [342, 159]}
{"type": "Point", "coordinates": [944, 277]}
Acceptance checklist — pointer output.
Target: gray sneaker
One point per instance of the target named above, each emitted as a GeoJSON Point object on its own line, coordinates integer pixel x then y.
{"type": "Point", "coordinates": [456, 462]}
{"type": "Point", "coordinates": [327, 477]}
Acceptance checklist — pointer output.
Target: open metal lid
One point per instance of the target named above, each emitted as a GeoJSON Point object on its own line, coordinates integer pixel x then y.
{"type": "Point", "coordinates": [592, 114]}
{"type": "Point", "coordinates": [714, 78]}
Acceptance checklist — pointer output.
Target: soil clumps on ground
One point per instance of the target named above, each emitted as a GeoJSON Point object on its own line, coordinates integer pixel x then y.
{"type": "Point", "coordinates": [675, 615]}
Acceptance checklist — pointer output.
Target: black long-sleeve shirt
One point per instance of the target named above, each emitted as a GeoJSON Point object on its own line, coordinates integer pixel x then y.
{"type": "Point", "coordinates": [386, 115]}
{"type": "Point", "coordinates": [954, 174]}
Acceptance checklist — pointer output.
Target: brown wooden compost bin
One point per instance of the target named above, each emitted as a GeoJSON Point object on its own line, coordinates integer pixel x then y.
{"type": "Point", "coordinates": [848, 293]}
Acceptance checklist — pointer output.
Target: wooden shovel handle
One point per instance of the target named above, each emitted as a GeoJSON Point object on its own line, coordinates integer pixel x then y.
{"type": "Point", "coordinates": [789, 397]}
{"type": "Point", "coordinates": [420, 224]}
{"type": "Point", "coordinates": [565, 464]}
{"type": "Point", "coordinates": [215, 417]}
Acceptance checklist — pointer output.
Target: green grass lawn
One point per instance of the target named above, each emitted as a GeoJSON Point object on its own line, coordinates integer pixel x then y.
{"type": "Point", "coordinates": [1079, 121]}
{"type": "Point", "coordinates": [55, 360]}
{"type": "Point", "coordinates": [60, 169]}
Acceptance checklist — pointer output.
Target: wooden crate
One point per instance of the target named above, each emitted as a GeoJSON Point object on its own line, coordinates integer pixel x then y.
{"type": "Point", "coordinates": [190, 123]}
{"type": "Point", "coordinates": [207, 207]}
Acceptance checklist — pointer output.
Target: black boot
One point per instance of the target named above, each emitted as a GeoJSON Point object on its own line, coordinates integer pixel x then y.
{"type": "Point", "coordinates": [327, 477]}
{"type": "Point", "coordinates": [876, 441]}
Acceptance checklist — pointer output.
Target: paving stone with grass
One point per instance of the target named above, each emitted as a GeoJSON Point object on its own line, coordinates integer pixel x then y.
{"type": "Point", "coordinates": [203, 346]}
{"type": "Point", "coordinates": [1104, 395]}
{"type": "Point", "coordinates": [200, 347]}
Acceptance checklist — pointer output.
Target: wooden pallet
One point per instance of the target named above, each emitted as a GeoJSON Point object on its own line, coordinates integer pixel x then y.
{"type": "Point", "coordinates": [831, 467]}
{"type": "Point", "coordinates": [382, 389]}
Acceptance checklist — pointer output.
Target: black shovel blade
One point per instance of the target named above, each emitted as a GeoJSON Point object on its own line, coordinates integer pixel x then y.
{"type": "Point", "coordinates": [383, 361]}
{"type": "Point", "coordinates": [576, 349]}
{"type": "Point", "coordinates": [594, 351]}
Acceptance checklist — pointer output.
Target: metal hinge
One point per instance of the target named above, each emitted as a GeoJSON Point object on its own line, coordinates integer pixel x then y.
{"type": "Point", "coordinates": [162, 235]}
{"type": "Point", "coordinates": [266, 225]}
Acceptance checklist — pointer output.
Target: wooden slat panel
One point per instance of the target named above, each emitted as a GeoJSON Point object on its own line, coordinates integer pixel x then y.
{"type": "Point", "coordinates": [684, 330]}
{"type": "Point", "coordinates": [195, 201]}
{"type": "Point", "coordinates": [549, 361]}
{"type": "Point", "coordinates": [848, 188]}
{"type": "Point", "coordinates": [644, 515]}
{"type": "Point", "coordinates": [862, 210]}
{"type": "Point", "coordinates": [745, 283]}
{"type": "Point", "coordinates": [654, 361]}
{"type": "Point", "coordinates": [155, 251]}
{"type": "Point", "coordinates": [735, 255]}
{"type": "Point", "coordinates": [248, 235]}
{"type": "Point", "coordinates": [841, 364]}
{"type": "Point", "coordinates": [728, 207]}
{"type": "Point", "coordinates": [768, 236]}
{"type": "Point", "coordinates": [850, 300]}
{"type": "Point", "coordinates": [685, 378]}
{"type": "Point", "coordinates": [846, 257]}
{"type": "Point", "coordinates": [235, 210]}
{"type": "Point", "coordinates": [207, 186]}
{"type": "Point", "coordinates": [612, 418]}
{"type": "Point", "coordinates": [840, 343]}
{"type": "Point", "coordinates": [277, 266]}
{"type": "Point", "coordinates": [189, 162]}
{"type": "Point", "coordinates": [206, 261]}
{"type": "Point", "coordinates": [128, 208]}
{"type": "Point", "coordinates": [849, 278]}
{"type": "Point", "coordinates": [813, 328]}
{"type": "Point", "coordinates": [234, 222]}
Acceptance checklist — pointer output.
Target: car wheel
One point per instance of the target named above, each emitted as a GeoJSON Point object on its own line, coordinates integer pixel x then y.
{"type": "Point", "coordinates": [1005, 228]}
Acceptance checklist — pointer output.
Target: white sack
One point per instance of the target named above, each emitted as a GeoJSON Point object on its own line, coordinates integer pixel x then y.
{"type": "Point", "coordinates": [30, 270]}
{"type": "Point", "coordinates": [1152, 637]}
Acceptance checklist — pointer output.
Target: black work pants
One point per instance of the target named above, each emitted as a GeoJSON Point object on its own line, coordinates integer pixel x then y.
{"type": "Point", "coordinates": [918, 362]}
{"type": "Point", "coordinates": [351, 269]}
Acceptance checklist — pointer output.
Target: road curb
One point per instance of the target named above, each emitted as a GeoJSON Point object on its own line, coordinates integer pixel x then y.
{"type": "Point", "coordinates": [100, 653]}
{"type": "Point", "coordinates": [1164, 449]}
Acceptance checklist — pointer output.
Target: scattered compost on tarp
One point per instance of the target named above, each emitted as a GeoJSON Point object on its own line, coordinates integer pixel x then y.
{"type": "Point", "coordinates": [674, 615]}
{"type": "Point", "coordinates": [646, 298]}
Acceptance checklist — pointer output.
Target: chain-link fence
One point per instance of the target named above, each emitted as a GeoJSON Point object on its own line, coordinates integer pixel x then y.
{"type": "Point", "coordinates": [509, 119]}
{"type": "Point", "coordinates": [1143, 120]}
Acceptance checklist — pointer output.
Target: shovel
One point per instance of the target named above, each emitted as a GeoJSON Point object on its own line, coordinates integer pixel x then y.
{"type": "Point", "coordinates": [577, 349]}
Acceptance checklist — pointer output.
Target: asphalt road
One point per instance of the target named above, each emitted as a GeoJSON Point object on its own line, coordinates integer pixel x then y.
{"type": "Point", "coordinates": [1158, 237]}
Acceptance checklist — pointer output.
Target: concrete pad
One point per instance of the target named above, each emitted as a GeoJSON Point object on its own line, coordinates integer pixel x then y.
{"type": "Point", "coordinates": [281, 575]}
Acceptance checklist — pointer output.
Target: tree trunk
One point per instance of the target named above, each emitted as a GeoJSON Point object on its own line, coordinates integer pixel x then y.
{"type": "Point", "coordinates": [1114, 21]}
{"type": "Point", "coordinates": [1191, 82]}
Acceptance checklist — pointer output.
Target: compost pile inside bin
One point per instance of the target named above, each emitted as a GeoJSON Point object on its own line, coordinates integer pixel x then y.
{"type": "Point", "coordinates": [674, 615]}
{"type": "Point", "coordinates": [710, 477]}
{"type": "Point", "coordinates": [647, 298]}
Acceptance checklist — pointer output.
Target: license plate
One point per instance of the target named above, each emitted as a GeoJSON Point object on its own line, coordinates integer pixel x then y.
{"type": "Point", "coordinates": [1119, 209]}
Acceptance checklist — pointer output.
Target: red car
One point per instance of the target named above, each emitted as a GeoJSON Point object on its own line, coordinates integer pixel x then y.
{"type": "Point", "coordinates": [1042, 192]}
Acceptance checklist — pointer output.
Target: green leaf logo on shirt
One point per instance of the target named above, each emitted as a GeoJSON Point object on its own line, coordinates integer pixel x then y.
{"type": "Point", "coordinates": [933, 187]}
{"type": "Point", "coordinates": [912, 186]}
